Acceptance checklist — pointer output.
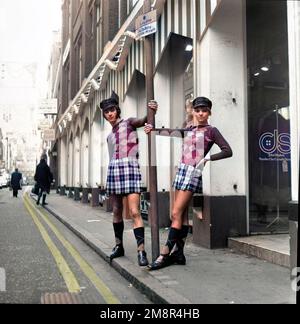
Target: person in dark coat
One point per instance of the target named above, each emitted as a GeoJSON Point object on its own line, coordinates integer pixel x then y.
{"type": "Point", "coordinates": [43, 178]}
{"type": "Point", "coordinates": [15, 182]}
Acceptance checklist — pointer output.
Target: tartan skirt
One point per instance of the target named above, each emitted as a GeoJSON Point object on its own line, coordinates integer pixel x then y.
{"type": "Point", "coordinates": [188, 178]}
{"type": "Point", "coordinates": [124, 177]}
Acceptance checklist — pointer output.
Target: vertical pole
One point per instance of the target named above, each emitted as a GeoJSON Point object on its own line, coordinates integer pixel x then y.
{"type": "Point", "coordinates": [153, 212]}
{"type": "Point", "coordinates": [298, 254]}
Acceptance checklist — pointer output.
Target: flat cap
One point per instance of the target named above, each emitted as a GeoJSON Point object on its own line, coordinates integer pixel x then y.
{"type": "Point", "coordinates": [202, 102]}
{"type": "Point", "coordinates": [108, 103]}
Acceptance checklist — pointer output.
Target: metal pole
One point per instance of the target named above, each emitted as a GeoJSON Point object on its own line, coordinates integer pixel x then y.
{"type": "Point", "coordinates": [153, 210]}
{"type": "Point", "coordinates": [298, 252]}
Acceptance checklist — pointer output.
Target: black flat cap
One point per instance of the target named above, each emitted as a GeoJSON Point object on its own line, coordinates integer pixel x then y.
{"type": "Point", "coordinates": [202, 102]}
{"type": "Point", "coordinates": [108, 103]}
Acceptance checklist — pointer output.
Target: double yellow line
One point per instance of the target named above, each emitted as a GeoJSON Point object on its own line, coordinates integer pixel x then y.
{"type": "Point", "coordinates": [63, 267]}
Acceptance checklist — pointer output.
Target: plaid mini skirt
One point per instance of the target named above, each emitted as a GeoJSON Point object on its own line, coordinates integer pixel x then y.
{"type": "Point", "coordinates": [124, 177]}
{"type": "Point", "coordinates": [188, 178]}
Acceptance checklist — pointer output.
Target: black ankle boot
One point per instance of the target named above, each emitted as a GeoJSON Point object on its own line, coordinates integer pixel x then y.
{"type": "Point", "coordinates": [44, 201]}
{"type": "Point", "coordinates": [178, 257]}
{"type": "Point", "coordinates": [160, 263]}
{"type": "Point", "coordinates": [142, 259]}
{"type": "Point", "coordinates": [117, 252]}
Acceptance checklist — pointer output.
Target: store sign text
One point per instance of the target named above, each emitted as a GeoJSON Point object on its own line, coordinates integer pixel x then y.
{"type": "Point", "coordinates": [275, 146]}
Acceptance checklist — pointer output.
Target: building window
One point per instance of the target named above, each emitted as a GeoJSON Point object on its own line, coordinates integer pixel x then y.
{"type": "Point", "coordinates": [78, 63]}
{"type": "Point", "coordinates": [66, 86]}
{"type": "Point", "coordinates": [131, 5]}
{"type": "Point", "coordinates": [80, 76]}
{"type": "Point", "coordinates": [99, 40]}
{"type": "Point", "coordinates": [76, 5]}
{"type": "Point", "coordinates": [67, 23]}
{"type": "Point", "coordinates": [91, 34]}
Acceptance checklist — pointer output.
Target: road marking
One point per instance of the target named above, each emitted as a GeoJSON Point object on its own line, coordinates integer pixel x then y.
{"type": "Point", "coordinates": [90, 273]}
{"type": "Point", "coordinates": [63, 267]}
{"type": "Point", "coordinates": [2, 280]}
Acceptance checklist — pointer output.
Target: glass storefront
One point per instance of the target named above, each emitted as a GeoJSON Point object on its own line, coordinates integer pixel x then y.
{"type": "Point", "coordinates": [269, 116]}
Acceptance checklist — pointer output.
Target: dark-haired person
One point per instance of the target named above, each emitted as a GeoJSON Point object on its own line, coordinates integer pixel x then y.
{"type": "Point", "coordinates": [198, 141]}
{"type": "Point", "coordinates": [43, 177]}
{"type": "Point", "coordinates": [15, 182]}
{"type": "Point", "coordinates": [124, 177]}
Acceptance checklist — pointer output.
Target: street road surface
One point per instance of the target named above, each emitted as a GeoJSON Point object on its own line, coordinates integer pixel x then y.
{"type": "Point", "coordinates": [39, 255]}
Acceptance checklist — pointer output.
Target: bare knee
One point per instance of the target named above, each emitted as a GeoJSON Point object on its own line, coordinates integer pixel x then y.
{"type": "Point", "coordinates": [134, 213]}
{"type": "Point", "coordinates": [117, 210]}
{"type": "Point", "coordinates": [176, 215]}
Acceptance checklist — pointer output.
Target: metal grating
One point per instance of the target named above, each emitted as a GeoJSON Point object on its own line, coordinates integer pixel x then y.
{"type": "Point", "coordinates": [61, 298]}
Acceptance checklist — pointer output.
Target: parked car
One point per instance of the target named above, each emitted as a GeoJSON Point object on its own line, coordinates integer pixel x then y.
{"type": "Point", "coordinates": [3, 181]}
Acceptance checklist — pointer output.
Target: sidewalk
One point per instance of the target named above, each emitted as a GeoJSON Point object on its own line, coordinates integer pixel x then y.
{"type": "Point", "coordinates": [210, 276]}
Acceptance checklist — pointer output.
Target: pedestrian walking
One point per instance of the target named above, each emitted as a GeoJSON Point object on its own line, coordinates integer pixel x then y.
{"type": "Point", "coordinates": [16, 182]}
{"type": "Point", "coordinates": [43, 177]}
{"type": "Point", "coordinates": [124, 177]}
{"type": "Point", "coordinates": [197, 143]}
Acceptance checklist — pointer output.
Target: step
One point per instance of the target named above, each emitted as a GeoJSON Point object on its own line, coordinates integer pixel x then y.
{"type": "Point", "coordinates": [272, 248]}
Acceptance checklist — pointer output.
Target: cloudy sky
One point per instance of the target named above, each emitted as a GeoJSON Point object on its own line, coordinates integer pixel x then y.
{"type": "Point", "coordinates": [26, 28]}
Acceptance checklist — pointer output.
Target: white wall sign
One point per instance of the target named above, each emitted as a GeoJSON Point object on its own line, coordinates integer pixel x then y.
{"type": "Point", "coordinates": [49, 135]}
{"type": "Point", "coordinates": [48, 106]}
{"type": "Point", "coordinates": [44, 124]}
{"type": "Point", "coordinates": [146, 24]}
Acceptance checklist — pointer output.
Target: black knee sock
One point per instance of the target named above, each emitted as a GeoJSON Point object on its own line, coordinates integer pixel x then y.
{"type": "Point", "coordinates": [139, 236]}
{"type": "Point", "coordinates": [119, 229]}
{"type": "Point", "coordinates": [182, 237]}
{"type": "Point", "coordinates": [172, 238]}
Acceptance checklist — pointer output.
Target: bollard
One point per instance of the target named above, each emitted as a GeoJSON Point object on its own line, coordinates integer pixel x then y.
{"type": "Point", "coordinates": [70, 194]}
{"type": "Point", "coordinates": [95, 197]}
{"type": "Point", "coordinates": [62, 191]}
{"type": "Point", "coordinates": [108, 205]}
{"type": "Point", "coordinates": [85, 196]}
{"type": "Point", "coordinates": [76, 194]}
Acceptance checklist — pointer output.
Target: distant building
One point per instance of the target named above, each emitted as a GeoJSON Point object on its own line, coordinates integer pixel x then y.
{"type": "Point", "coordinates": [54, 91]}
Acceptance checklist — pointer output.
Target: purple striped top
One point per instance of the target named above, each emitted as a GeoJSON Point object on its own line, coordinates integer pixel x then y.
{"type": "Point", "coordinates": [198, 141]}
{"type": "Point", "coordinates": [123, 141]}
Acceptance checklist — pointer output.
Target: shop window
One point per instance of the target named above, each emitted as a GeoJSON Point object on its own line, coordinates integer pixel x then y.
{"type": "Point", "coordinates": [269, 118]}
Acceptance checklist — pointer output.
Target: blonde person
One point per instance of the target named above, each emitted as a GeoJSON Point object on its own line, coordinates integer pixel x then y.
{"type": "Point", "coordinates": [198, 141]}
{"type": "Point", "coordinates": [177, 252]}
{"type": "Point", "coordinates": [189, 118]}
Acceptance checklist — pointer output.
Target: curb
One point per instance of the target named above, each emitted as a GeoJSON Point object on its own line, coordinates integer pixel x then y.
{"type": "Point", "coordinates": [141, 279]}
